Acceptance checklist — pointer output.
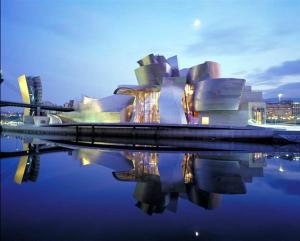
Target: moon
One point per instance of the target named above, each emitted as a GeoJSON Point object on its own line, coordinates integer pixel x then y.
{"type": "Point", "coordinates": [197, 23]}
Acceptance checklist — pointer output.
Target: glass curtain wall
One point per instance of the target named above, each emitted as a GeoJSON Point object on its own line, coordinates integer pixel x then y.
{"type": "Point", "coordinates": [187, 103]}
{"type": "Point", "coordinates": [145, 107]}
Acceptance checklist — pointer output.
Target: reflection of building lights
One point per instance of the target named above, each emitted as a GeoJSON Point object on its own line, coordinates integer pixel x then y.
{"type": "Point", "coordinates": [85, 161]}
{"type": "Point", "coordinates": [280, 169]}
{"type": "Point", "coordinates": [196, 234]}
{"type": "Point", "coordinates": [205, 120]}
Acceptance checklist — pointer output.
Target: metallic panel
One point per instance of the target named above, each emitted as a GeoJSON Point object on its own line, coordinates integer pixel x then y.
{"type": "Point", "coordinates": [184, 72]}
{"type": "Point", "coordinates": [248, 95]}
{"type": "Point", "coordinates": [152, 59]}
{"type": "Point", "coordinates": [31, 91]}
{"type": "Point", "coordinates": [35, 84]}
{"type": "Point", "coordinates": [112, 103]}
{"type": "Point", "coordinates": [170, 101]}
{"type": "Point", "coordinates": [218, 94]}
{"type": "Point", "coordinates": [24, 89]}
{"type": "Point", "coordinates": [149, 59]}
{"type": "Point", "coordinates": [207, 70]}
{"type": "Point", "coordinates": [105, 110]}
{"type": "Point", "coordinates": [173, 62]}
{"type": "Point", "coordinates": [152, 74]}
{"type": "Point", "coordinates": [24, 92]}
{"type": "Point", "coordinates": [133, 89]}
{"type": "Point", "coordinates": [89, 116]}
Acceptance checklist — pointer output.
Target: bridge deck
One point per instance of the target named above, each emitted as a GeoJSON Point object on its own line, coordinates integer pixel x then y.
{"type": "Point", "coordinates": [32, 106]}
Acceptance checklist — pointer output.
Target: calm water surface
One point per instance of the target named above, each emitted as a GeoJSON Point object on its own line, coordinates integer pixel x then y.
{"type": "Point", "coordinates": [97, 194]}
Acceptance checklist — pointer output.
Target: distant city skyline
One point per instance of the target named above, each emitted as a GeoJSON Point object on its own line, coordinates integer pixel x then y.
{"type": "Point", "coordinates": [90, 47]}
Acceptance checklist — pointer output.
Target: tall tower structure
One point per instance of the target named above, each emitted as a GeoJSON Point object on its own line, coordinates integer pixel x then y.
{"type": "Point", "coordinates": [31, 91]}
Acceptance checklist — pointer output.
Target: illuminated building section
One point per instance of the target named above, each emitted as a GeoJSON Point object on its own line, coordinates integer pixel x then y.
{"type": "Point", "coordinates": [111, 109]}
{"type": "Point", "coordinates": [166, 94]}
{"type": "Point", "coordinates": [286, 111]}
{"type": "Point", "coordinates": [144, 109]}
{"type": "Point", "coordinates": [31, 91]}
{"type": "Point", "coordinates": [296, 109]}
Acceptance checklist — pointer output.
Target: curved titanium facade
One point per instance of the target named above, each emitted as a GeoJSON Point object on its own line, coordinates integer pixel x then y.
{"type": "Point", "coordinates": [113, 103]}
{"type": "Point", "coordinates": [152, 74]}
{"type": "Point", "coordinates": [149, 59]}
{"type": "Point", "coordinates": [111, 109]}
{"type": "Point", "coordinates": [218, 94]}
{"type": "Point", "coordinates": [166, 94]}
{"type": "Point", "coordinates": [31, 90]}
{"type": "Point", "coordinates": [145, 106]}
{"type": "Point", "coordinates": [173, 62]}
{"type": "Point", "coordinates": [170, 100]}
{"type": "Point", "coordinates": [133, 89]}
{"type": "Point", "coordinates": [152, 69]}
{"type": "Point", "coordinates": [207, 70]}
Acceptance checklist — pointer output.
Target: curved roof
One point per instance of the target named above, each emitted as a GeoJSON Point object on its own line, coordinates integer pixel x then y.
{"type": "Point", "coordinates": [218, 94]}
{"type": "Point", "coordinates": [152, 74]}
{"type": "Point", "coordinates": [170, 100]}
{"type": "Point", "coordinates": [207, 70]}
{"type": "Point", "coordinates": [112, 103]}
{"type": "Point", "coordinates": [131, 89]}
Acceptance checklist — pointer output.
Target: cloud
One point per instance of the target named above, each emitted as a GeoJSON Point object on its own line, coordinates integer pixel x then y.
{"type": "Point", "coordinates": [284, 78]}
{"type": "Point", "coordinates": [290, 90]}
{"type": "Point", "coordinates": [220, 39]}
{"type": "Point", "coordinates": [287, 68]}
{"type": "Point", "coordinates": [228, 41]}
{"type": "Point", "coordinates": [77, 23]}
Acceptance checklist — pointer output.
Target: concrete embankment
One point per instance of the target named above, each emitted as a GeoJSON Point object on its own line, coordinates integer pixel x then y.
{"type": "Point", "coordinates": [146, 132]}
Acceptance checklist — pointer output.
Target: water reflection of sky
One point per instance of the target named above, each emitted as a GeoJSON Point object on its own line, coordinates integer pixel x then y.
{"type": "Point", "coordinates": [71, 201]}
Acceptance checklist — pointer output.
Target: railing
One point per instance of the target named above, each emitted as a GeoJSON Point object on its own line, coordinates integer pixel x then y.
{"type": "Point", "coordinates": [35, 106]}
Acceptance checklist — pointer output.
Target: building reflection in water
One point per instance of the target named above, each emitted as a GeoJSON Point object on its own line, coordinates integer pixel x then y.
{"type": "Point", "coordinates": [162, 178]}
{"type": "Point", "coordinates": [29, 166]}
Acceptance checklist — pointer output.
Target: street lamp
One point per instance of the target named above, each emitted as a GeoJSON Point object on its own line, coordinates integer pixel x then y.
{"type": "Point", "coordinates": [279, 97]}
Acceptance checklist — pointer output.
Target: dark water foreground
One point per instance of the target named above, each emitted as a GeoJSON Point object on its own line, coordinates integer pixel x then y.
{"type": "Point", "coordinates": [65, 192]}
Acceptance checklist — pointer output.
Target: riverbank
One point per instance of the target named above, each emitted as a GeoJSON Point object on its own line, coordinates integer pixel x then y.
{"type": "Point", "coordinates": [98, 132]}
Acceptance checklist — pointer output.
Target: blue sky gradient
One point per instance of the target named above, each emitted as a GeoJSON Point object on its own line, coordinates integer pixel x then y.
{"type": "Point", "coordinates": [90, 47]}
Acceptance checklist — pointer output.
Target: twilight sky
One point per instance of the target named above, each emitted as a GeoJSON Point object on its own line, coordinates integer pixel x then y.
{"type": "Point", "coordinates": [90, 47]}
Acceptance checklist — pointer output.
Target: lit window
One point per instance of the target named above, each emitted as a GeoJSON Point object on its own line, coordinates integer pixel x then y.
{"type": "Point", "coordinates": [205, 120]}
